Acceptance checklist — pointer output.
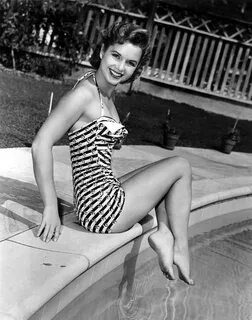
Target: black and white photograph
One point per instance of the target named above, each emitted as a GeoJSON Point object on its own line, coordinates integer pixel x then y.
{"type": "Point", "coordinates": [125, 160]}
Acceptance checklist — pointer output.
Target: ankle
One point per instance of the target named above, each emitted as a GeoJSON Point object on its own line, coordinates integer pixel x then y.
{"type": "Point", "coordinates": [165, 231]}
{"type": "Point", "coordinates": [181, 244]}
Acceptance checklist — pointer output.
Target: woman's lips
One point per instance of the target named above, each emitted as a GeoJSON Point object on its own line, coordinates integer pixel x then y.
{"type": "Point", "coordinates": [115, 74]}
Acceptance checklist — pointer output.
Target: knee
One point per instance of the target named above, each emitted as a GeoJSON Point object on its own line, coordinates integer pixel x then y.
{"type": "Point", "coordinates": [183, 166]}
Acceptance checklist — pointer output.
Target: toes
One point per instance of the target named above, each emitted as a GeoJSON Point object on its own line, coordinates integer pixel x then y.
{"type": "Point", "coordinates": [169, 274]}
{"type": "Point", "coordinates": [186, 279]}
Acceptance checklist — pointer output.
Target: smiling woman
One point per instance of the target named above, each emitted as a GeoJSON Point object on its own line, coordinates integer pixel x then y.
{"type": "Point", "coordinates": [103, 203]}
{"type": "Point", "coordinates": [119, 62]}
{"type": "Point", "coordinates": [121, 33]}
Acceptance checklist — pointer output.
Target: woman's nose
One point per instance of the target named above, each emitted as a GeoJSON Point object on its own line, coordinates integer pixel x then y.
{"type": "Point", "coordinates": [121, 65]}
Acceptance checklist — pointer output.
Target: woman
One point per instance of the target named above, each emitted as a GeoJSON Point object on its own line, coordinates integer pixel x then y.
{"type": "Point", "coordinates": [102, 202]}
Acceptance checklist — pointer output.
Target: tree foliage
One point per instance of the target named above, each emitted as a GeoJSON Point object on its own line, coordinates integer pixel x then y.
{"type": "Point", "coordinates": [42, 23]}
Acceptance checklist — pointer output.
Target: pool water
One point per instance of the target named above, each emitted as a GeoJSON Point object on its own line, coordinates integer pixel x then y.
{"type": "Point", "coordinates": [222, 269]}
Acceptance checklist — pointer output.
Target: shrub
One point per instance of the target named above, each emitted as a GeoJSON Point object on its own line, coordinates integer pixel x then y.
{"type": "Point", "coordinates": [25, 24]}
{"type": "Point", "coordinates": [49, 67]}
{"type": "Point", "coordinates": [29, 62]}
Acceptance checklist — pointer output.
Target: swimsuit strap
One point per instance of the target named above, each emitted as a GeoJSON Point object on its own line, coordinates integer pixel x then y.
{"type": "Point", "coordinates": [99, 92]}
{"type": "Point", "coordinates": [86, 76]}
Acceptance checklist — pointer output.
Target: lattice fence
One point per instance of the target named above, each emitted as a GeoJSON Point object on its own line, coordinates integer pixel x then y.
{"type": "Point", "coordinates": [199, 53]}
{"type": "Point", "coordinates": [202, 62]}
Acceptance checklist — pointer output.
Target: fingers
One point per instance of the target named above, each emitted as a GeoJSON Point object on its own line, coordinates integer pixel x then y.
{"type": "Point", "coordinates": [42, 226]}
{"type": "Point", "coordinates": [46, 233]}
{"type": "Point", "coordinates": [49, 232]}
{"type": "Point", "coordinates": [57, 233]}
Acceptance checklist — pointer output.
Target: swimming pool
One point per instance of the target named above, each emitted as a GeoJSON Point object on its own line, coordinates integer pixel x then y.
{"type": "Point", "coordinates": [136, 289]}
{"type": "Point", "coordinates": [115, 276]}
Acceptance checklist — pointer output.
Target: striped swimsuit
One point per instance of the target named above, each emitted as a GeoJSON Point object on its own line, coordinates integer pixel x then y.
{"type": "Point", "coordinates": [98, 195]}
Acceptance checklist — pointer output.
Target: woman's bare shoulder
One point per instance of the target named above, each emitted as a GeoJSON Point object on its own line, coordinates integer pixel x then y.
{"type": "Point", "coordinates": [81, 95]}
{"type": "Point", "coordinates": [70, 108]}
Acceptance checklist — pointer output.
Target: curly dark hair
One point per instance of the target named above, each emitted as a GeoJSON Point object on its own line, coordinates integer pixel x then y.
{"type": "Point", "coordinates": [121, 32]}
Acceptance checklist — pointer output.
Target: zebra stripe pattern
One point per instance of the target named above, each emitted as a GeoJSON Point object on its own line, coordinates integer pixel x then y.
{"type": "Point", "coordinates": [98, 195]}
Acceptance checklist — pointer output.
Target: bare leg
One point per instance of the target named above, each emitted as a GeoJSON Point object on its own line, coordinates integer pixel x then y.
{"type": "Point", "coordinates": [169, 179]}
{"type": "Point", "coordinates": [173, 216]}
{"type": "Point", "coordinates": [178, 205]}
{"type": "Point", "coordinates": [162, 242]}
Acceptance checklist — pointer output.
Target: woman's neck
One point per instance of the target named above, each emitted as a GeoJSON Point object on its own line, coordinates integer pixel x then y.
{"type": "Point", "coordinates": [106, 89]}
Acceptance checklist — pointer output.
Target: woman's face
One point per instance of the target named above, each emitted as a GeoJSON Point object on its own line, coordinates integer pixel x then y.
{"type": "Point", "coordinates": [119, 62]}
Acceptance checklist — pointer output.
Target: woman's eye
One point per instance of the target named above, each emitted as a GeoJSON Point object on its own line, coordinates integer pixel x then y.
{"type": "Point", "coordinates": [115, 55]}
{"type": "Point", "coordinates": [131, 63]}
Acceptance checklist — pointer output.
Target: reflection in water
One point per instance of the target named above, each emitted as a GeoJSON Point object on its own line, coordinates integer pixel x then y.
{"type": "Point", "coordinates": [221, 266]}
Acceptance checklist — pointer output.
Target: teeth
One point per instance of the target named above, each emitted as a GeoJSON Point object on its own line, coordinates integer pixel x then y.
{"type": "Point", "coordinates": [115, 74]}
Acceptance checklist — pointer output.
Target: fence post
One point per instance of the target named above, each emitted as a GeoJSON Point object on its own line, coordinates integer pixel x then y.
{"type": "Point", "coordinates": [150, 21]}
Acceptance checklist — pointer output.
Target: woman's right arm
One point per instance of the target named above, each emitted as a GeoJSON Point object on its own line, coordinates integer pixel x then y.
{"type": "Point", "coordinates": [67, 112]}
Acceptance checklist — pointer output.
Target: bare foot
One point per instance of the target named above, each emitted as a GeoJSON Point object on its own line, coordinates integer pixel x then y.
{"type": "Point", "coordinates": [162, 243]}
{"type": "Point", "coordinates": [182, 261]}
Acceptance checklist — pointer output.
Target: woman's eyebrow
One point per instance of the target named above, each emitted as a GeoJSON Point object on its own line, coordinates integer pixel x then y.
{"type": "Point", "coordinates": [115, 51]}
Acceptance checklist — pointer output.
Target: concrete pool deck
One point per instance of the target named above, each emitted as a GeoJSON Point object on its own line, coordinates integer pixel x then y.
{"type": "Point", "coordinates": [33, 273]}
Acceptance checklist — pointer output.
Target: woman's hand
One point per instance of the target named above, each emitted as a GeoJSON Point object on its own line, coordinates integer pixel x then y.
{"type": "Point", "coordinates": [50, 226]}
